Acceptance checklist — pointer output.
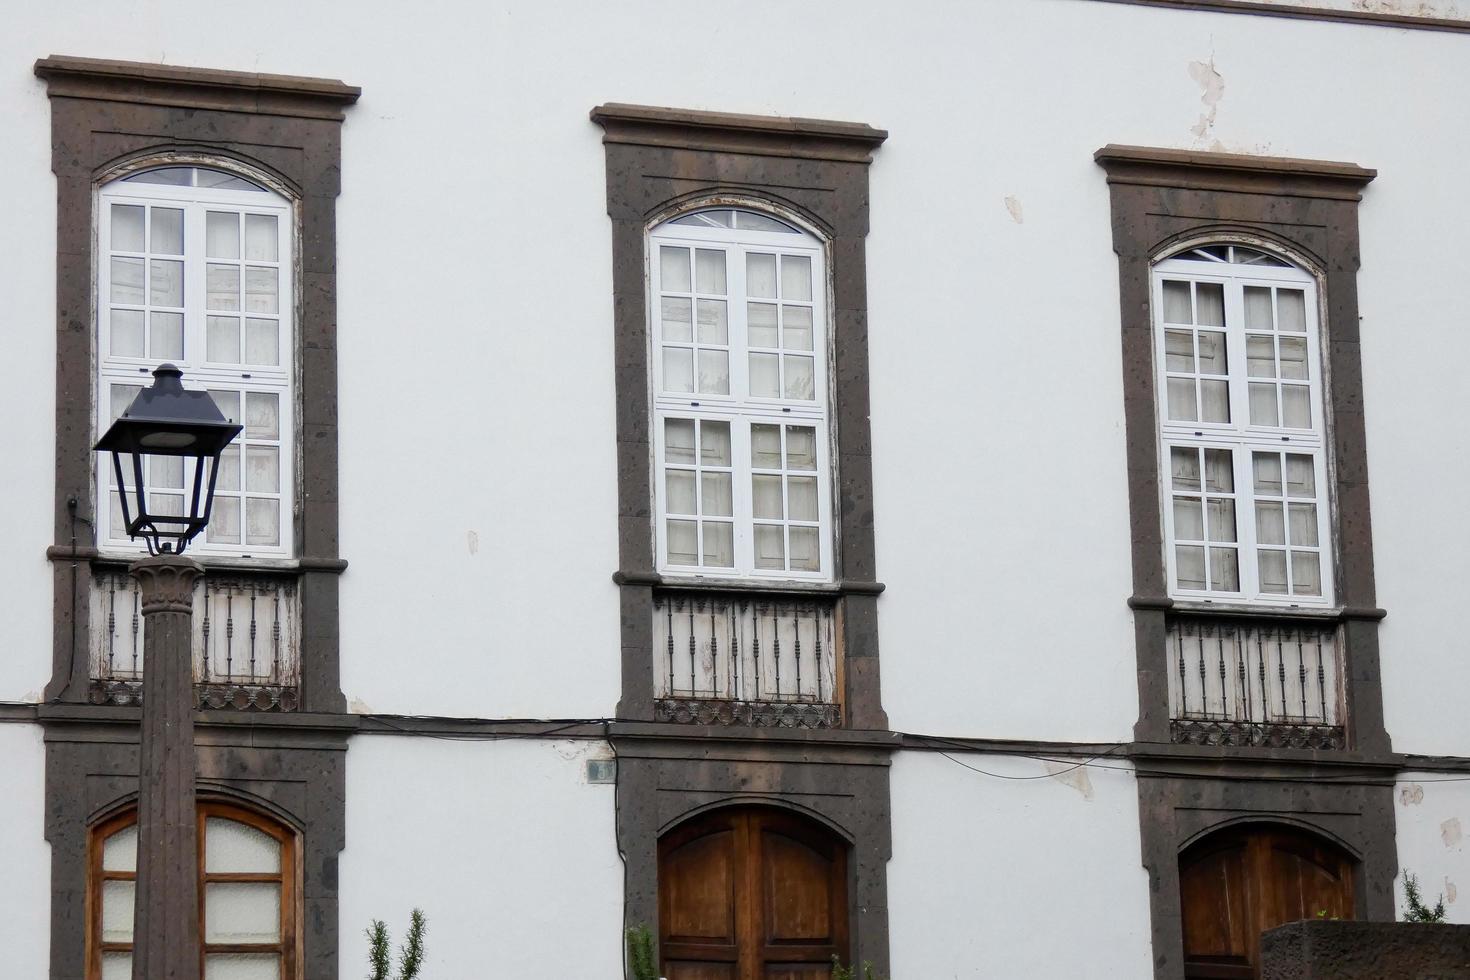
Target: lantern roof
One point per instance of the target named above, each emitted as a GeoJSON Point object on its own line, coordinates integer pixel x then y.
{"type": "Point", "coordinates": [167, 420]}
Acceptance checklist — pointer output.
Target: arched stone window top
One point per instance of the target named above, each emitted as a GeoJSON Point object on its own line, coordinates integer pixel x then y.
{"type": "Point", "coordinates": [1228, 254]}
{"type": "Point", "coordinates": [194, 177]}
{"type": "Point", "coordinates": [737, 219]}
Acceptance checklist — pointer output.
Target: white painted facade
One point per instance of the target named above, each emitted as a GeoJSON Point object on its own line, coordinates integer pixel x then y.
{"type": "Point", "coordinates": [474, 286]}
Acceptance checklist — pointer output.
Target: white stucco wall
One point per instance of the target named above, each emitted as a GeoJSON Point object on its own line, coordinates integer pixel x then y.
{"type": "Point", "coordinates": [475, 287]}
{"type": "Point", "coordinates": [1031, 877]}
{"type": "Point", "coordinates": [25, 898]}
{"type": "Point", "coordinates": [504, 845]}
{"type": "Point", "coordinates": [1432, 813]}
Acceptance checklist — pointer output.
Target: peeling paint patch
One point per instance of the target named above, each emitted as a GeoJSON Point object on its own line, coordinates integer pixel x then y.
{"type": "Point", "coordinates": [1014, 207]}
{"type": "Point", "coordinates": [1450, 832]}
{"type": "Point", "coordinates": [1450, 891]}
{"type": "Point", "coordinates": [1411, 795]}
{"type": "Point", "coordinates": [358, 706]}
{"type": "Point", "coordinates": [1071, 774]}
{"type": "Point", "coordinates": [1212, 85]}
{"type": "Point", "coordinates": [473, 540]}
{"type": "Point", "coordinates": [34, 697]}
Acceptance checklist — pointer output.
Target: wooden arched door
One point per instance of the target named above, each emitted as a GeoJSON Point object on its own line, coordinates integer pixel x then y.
{"type": "Point", "coordinates": [1239, 882]}
{"type": "Point", "coordinates": [751, 893]}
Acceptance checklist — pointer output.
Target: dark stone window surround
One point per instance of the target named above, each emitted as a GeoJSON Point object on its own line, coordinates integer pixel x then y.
{"type": "Point", "coordinates": [108, 117]}
{"type": "Point", "coordinates": [660, 161]}
{"type": "Point", "coordinates": [1162, 198]}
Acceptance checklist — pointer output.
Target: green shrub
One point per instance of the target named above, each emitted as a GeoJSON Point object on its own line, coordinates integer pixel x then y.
{"type": "Point", "coordinates": [410, 954]}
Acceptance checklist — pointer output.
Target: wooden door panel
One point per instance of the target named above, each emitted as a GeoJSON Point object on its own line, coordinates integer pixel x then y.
{"type": "Point", "coordinates": [699, 971]}
{"type": "Point", "coordinates": [800, 971]}
{"type": "Point", "coordinates": [798, 892]}
{"type": "Point", "coordinates": [697, 880]}
{"type": "Point", "coordinates": [1214, 902]}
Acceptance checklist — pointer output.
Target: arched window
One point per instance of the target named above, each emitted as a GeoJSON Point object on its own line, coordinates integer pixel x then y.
{"type": "Point", "coordinates": [740, 397]}
{"type": "Point", "coordinates": [1242, 435]}
{"type": "Point", "coordinates": [751, 891]}
{"type": "Point", "coordinates": [248, 888]}
{"type": "Point", "coordinates": [1241, 881]}
{"type": "Point", "coordinates": [195, 268]}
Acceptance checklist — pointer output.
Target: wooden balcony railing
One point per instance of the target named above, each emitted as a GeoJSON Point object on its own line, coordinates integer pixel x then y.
{"type": "Point", "coordinates": [247, 644]}
{"type": "Point", "coordinates": [1255, 682]}
{"type": "Point", "coordinates": [735, 659]}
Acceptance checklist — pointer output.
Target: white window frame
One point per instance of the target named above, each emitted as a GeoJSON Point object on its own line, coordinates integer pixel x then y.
{"type": "Point", "coordinates": [1239, 435]}
{"type": "Point", "coordinates": [199, 373]}
{"type": "Point", "coordinates": [739, 408]}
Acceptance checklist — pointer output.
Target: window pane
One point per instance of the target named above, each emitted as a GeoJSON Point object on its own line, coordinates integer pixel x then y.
{"type": "Point", "coordinates": [262, 415]}
{"type": "Point", "coordinates": [166, 471]}
{"type": "Point", "coordinates": [117, 966]}
{"type": "Point", "coordinates": [709, 270]}
{"type": "Point", "coordinates": [228, 402]}
{"type": "Point", "coordinates": [797, 321]}
{"type": "Point", "coordinates": [1189, 520]}
{"type": "Point", "coordinates": [127, 228]}
{"type": "Point", "coordinates": [126, 333]}
{"type": "Point", "coordinates": [1291, 309]}
{"type": "Point", "coordinates": [261, 289]}
{"type": "Point", "coordinates": [801, 447]}
{"type": "Point", "coordinates": [770, 546]}
{"type": "Point", "coordinates": [679, 440]}
{"type": "Point", "coordinates": [765, 376]}
{"type": "Point", "coordinates": [1209, 304]}
{"type": "Point", "coordinates": [1222, 519]}
{"type": "Point", "coordinates": [714, 443]}
{"type": "Point", "coordinates": [262, 341]}
{"type": "Point", "coordinates": [1181, 400]}
{"type": "Point", "coordinates": [222, 287]}
{"type": "Point", "coordinates": [127, 281]}
{"type": "Point", "coordinates": [765, 447]}
{"type": "Point", "coordinates": [1301, 480]}
{"type": "Point", "coordinates": [714, 372]}
{"type": "Point", "coordinates": [262, 521]}
{"type": "Point", "coordinates": [1176, 303]}
{"type": "Point", "coordinates": [760, 275]}
{"type": "Point", "coordinates": [679, 492]}
{"type": "Point", "coordinates": [263, 469]}
{"type": "Point", "coordinates": [1219, 471]}
{"type": "Point", "coordinates": [1224, 570]}
{"type": "Point", "coordinates": [223, 339]}
{"type": "Point", "coordinates": [166, 336]}
{"type": "Point", "coordinates": [1260, 356]}
{"type": "Point", "coordinates": [1296, 407]}
{"type": "Point", "coordinates": [673, 269]}
{"type": "Point", "coordinates": [796, 277]}
{"type": "Point", "coordinates": [1215, 399]}
{"type": "Point", "coordinates": [804, 551]}
{"type": "Point", "coordinates": [713, 326]}
{"type": "Point", "coordinates": [801, 495]}
{"type": "Point", "coordinates": [165, 504]}
{"type": "Point", "coordinates": [117, 911]}
{"type": "Point", "coordinates": [683, 547]}
{"type": "Point", "coordinates": [1273, 572]}
{"type": "Point", "coordinates": [800, 382]}
{"type": "Point", "coordinates": [242, 912]}
{"type": "Point", "coordinates": [1189, 566]}
{"type": "Point", "coordinates": [165, 283]}
{"type": "Point", "coordinates": [761, 324]}
{"type": "Point", "coordinates": [1306, 573]}
{"type": "Point", "coordinates": [168, 231]}
{"type": "Point", "coordinates": [1303, 524]}
{"type": "Point", "coordinates": [1270, 522]}
{"type": "Point", "coordinates": [1258, 308]}
{"type": "Point", "coordinates": [1294, 358]}
{"type": "Point", "coordinates": [229, 469]}
{"type": "Point", "coordinates": [120, 851]}
{"type": "Point", "coordinates": [1179, 350]}
{"type": "Point", "coordinates": [1267, 468]}
{"type": "Point", "coordinates": [242, 966]}
{"type": "Point", "coordinates": [232, 847]}
{"type": "Point", "coordinates": [224, 522]}
{"type": "Point", "coordinates": [717, 497]}
{"type": "Point", "coordinates": [1184, 468]}
{"type": "Point", "coordinates": [222, 235]}
{"type": "Point", "coordinates": [675, 312]}
{"type": "Point", "coordinates": [1263, 404]}
{"type": "Point", "coordinates": [678, 369]}
{"type": "Point", "coordinates": [719, 544]}
{"type": "Point", "coordinates": [766, 496]}
{"type": "Point", "coordinates": [261, 237]}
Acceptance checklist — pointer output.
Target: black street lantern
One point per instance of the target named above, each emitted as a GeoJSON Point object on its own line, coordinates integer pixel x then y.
{"type": "Point", "coordinates": [166, 420]}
